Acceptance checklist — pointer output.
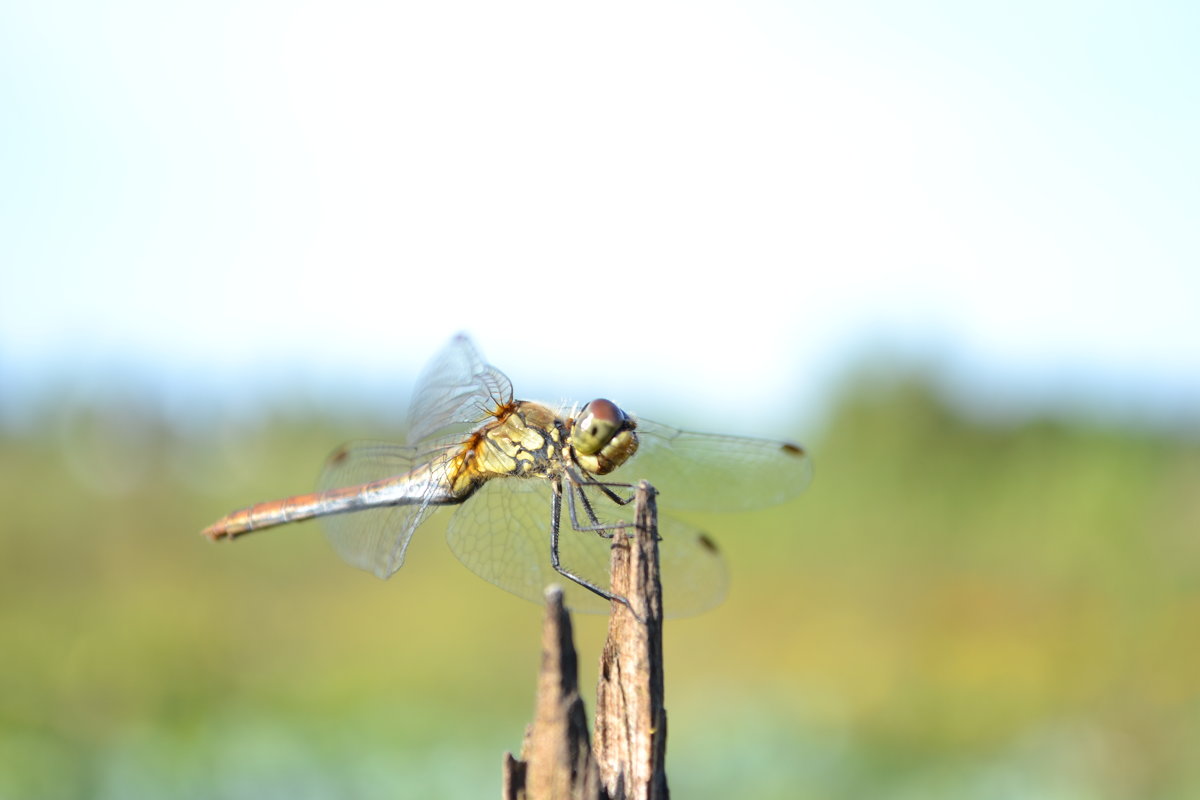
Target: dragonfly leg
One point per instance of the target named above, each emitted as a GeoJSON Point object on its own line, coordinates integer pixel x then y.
{"type": "Point", "coordinates": [606, 487]}
{"type": "Point", "coordinates": [555, 518]}
{"type": "Point", "coordinates": [602, 528]}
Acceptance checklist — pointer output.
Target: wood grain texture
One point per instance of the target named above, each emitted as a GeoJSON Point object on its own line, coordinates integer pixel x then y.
{"type": "Point", "coordinates": [631, 721]}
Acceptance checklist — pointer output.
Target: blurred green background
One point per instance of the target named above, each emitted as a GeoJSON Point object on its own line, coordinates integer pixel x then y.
{"type": "Point", "coordinates": [957, 607]}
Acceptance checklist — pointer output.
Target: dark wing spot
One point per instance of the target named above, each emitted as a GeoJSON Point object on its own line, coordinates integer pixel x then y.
{"type": "Point", "coordinates": [707, 543]}
{"type": "Point", "coordinates": [339, 456]}
{"type": "Point", "coordinates": [792, 449]}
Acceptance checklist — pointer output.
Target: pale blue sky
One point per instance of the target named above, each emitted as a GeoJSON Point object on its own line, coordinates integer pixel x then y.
{"type": "Point", "coordinates": [222, 197]}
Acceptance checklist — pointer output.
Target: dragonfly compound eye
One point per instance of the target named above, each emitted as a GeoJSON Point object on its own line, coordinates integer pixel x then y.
{"type": "Point", "coordinates": [596, 425]}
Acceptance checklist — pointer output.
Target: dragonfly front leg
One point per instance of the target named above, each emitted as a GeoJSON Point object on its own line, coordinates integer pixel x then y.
{"type": "Point", "coordinates": [596, 526]}
{"type": "Point", "coordinates": [583, 479]}
{"type": "Point", "coordinates": [555, 518]}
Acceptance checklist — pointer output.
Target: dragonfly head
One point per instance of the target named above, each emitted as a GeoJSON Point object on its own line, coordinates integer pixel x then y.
{"type": "Point", "coordinates": [603, 437]}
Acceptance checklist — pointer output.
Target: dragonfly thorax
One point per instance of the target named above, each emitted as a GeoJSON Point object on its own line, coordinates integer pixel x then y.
{"type": "Point", "coordinates": [525, 441]}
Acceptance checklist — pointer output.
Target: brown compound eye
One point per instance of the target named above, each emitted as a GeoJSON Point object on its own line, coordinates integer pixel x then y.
{"type": "Point", "coordinates": [598, 422]}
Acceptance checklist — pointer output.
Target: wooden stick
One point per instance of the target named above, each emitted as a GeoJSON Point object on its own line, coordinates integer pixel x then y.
{"type": "Point", "coordinates": [556, 757]}
{"type": "Point", "coordinates": [631, 723]}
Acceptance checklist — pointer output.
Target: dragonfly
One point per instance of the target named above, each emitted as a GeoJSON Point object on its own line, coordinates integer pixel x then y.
{"type": "Point", "coordinates": [511, 466]}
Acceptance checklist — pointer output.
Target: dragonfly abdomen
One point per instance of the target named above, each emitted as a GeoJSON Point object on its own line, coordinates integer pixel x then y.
{"type": "Point", "coordinates": [416, 487]}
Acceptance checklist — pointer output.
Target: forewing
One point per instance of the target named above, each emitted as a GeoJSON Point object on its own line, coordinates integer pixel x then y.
{"type": "Point", "coordinates": [711, 472]}
{"type": "Point", "coordinates": [372, 539]}
{"type": "Point", "coordinates": [455, 393]}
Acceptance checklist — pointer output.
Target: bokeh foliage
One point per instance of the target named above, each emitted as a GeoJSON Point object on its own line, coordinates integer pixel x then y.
{"type": "Point", "coordinates": [955, 608]}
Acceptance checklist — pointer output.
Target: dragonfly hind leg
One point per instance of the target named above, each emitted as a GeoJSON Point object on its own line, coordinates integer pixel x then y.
{"type": "Point", "coordinates": [555, 561]}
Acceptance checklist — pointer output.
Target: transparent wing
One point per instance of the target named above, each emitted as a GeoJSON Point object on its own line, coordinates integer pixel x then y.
{"type": "Point", "coordinates": [710, 472]}
{"type": "Point", "coordinates": [503, 535]}
{"type": "Point", "coordinates": [454, 393]}
{"type": "Point", "coordinates": [372, 539]}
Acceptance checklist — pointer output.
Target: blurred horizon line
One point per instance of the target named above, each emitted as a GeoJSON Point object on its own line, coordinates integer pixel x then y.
{"type": "Point", "coordinates": [194, 399]}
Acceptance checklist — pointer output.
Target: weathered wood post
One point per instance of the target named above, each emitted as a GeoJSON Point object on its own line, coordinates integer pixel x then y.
{"type": "Point", "coordinates": [628, 762]}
